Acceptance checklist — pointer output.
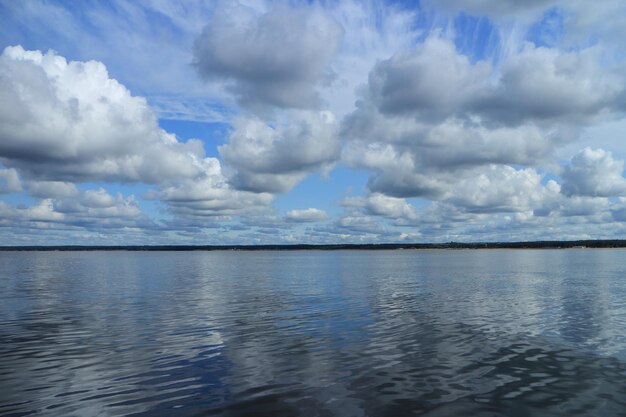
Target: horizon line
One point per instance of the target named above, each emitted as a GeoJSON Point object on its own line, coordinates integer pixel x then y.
{"type": "Point", "coordinates": [538, 244]}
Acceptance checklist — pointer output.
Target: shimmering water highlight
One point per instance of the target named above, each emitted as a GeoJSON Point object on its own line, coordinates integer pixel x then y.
{"type": "Point", "coordinates": [346, 333]}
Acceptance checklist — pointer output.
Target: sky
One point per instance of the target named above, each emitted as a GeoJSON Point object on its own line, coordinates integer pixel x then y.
{"type": "Point", "coordinates": [277, 122]}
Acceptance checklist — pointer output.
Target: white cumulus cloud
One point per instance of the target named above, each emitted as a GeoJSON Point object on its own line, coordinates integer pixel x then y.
{"type": "Point", "coordinates": [594, 173]}
{"type": "Point", "coordinates": [275, 58]}
{"type": "Point", "coordinates": [274, 158]}
{"type": "Point", "coordinates": [68, 121]}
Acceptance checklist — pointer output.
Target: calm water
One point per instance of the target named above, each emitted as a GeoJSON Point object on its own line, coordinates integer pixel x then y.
{"type": "Point", "coordinates": [383, 333]}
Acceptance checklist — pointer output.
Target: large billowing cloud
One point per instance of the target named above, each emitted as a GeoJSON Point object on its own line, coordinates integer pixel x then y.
{"type": "Point", "coordinates": [489, 189]}
{"type": "Point", "coordinates": [432, 124]}
{"type": "Point", "coordinates": [209, 195]}
{"type": "Point", "coordinates": [499, 189]}
{"type": "Point", "coordinates": [431, 81]}
{"type": "Point", "coordinates": [276, 58]}
{"type": "Point", "coordinates": [454, 142]}
{"type": "Point", "coordinates": [274, 158]}
{"type": "Point", "coordinates": [434, 163]}
{"type": "Point", "coordinates": [434, 81]}
{"type": "Point", "coordinates": [68, 121]}
{"type": "Point", "coordinates": [548, 84]}
{"type": "Point", "coordinates": [594, 173]}
{"type": "Point", "coordinates": [421, 125]}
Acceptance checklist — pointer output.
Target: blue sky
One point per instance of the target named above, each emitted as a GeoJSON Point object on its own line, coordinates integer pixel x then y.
{"type": "Point", "coordinates": [217, 122]}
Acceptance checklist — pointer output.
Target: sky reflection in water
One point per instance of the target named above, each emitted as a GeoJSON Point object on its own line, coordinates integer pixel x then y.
{"type": "Point", "coordinates": [441, 333]}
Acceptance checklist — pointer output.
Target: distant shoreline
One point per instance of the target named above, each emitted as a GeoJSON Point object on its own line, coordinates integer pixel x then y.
{"type": "Point", "coordinates": [572, 244]}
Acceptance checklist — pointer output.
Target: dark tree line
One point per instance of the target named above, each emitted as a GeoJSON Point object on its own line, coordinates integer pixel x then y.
{"type": "Point", "coordinates": [380, 246]}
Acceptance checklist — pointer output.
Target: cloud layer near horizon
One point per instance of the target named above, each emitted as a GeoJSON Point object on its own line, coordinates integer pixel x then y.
{"type": "Point", "coordinates": [442, 140]}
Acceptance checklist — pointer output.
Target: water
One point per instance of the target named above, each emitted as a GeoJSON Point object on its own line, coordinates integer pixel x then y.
{"type": "Point", "coordinates": [346, 333]}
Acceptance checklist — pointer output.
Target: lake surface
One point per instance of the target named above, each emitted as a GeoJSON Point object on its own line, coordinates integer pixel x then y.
{"type": "Point", "coordinates": [312, 333]}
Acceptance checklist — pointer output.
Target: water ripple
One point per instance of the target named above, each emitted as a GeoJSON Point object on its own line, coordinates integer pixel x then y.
{"type": "Point", "coordinates": [435, 333]}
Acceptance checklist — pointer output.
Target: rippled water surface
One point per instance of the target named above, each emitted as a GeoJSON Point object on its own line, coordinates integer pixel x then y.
{"type": "Point", "coordinates": [313, 333]}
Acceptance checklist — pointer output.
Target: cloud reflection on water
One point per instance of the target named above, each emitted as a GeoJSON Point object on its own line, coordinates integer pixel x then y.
{"type": "Point", "coordinates": [313, 333]}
